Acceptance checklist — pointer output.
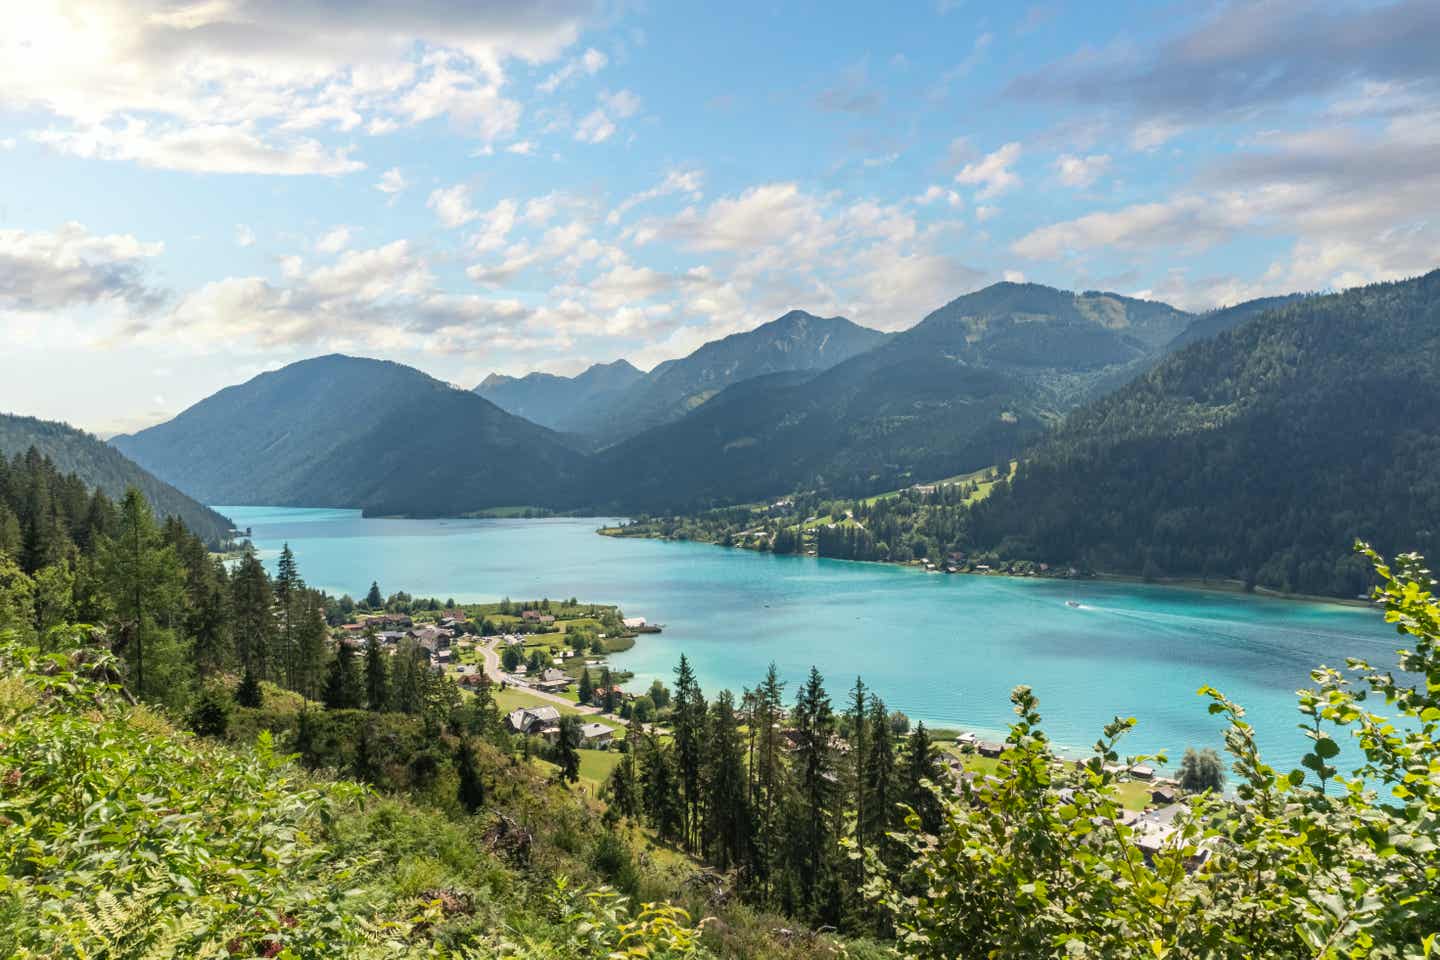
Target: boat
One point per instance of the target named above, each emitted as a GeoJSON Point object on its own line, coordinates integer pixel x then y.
{"type": "Point", "coordinates": [1073, 603]}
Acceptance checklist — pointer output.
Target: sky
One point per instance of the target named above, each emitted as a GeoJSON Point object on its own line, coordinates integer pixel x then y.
{"type": "Point", "coordinates": [195, 191]}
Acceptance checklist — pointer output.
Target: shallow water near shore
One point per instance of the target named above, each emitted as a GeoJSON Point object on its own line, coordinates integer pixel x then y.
{"type": "Point", "coordinates": [944, 649]}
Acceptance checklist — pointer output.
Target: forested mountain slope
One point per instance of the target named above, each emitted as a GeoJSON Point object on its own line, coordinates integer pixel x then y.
{"type": "Point", "coordinates": [102, 467]}
{"type": "Point", "coordinates": [1259, 454]}
{"type": "Point", "coordinates": [970, 385]}
{"type": "Point", "coordinates": [346, 431]}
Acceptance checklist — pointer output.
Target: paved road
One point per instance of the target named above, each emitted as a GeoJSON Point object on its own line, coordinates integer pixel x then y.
{"type": "Point", "coordinates": [491, 660]}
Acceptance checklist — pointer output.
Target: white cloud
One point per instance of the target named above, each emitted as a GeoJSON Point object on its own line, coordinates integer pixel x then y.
{"type": "Point", "coordinates": [452, 205]}
{"type": "Point", "coordinates": [228, 85]}
{"type": "Point", "coordinates": [1076, 171]}
{"type": "Point", "coordinates": [935, 193]}
{"type": "Point", "coordinates": [1014, 276]}
{"type": "Point", "coordinates": [522, 148]}
{"type": "Point", "coordinates": [992, 173]}
{"type": "Point", "coordinates": [589, 63]}
{"type": "Point", "coordinates": [70, 267]}
{"type": "Point", "coordinates": [334, 240]}
{"type": "Point", "coordinates": [676, 181]}
{"type": "Point", "coordinates": [600, 124]}
{"type": "Point", "coordinates": [8, 143]}
{"type": "Point", "coordinates": [200, 148]}
{"type": "Point", "coordinates": [392, 181]}
{"type": "Point", "coordinates": [495, 227]}
{"type": "Point", "coordinates": [244, 236]}
{"type": "Point", "coordinates": [986, 213]}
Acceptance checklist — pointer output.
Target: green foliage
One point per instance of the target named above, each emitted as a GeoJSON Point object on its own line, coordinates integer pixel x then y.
{"type": "Point", "coordinates": [1201, 770]}
{"type": "Point", "coordinates": [1307, 863]}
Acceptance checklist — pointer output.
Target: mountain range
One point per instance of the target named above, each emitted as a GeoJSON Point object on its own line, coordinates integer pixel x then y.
{"type": "Point", "coordinates": [609, 403]}
{"type": "Point", "coordinates": [102, 467]}
{"type": "Point", "coordinates": [970, 385]}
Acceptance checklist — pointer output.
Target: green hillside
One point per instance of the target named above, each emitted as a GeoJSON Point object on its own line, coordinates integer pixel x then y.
{"type": "Point", "coordinates": [1260, 454]}
{"type": "Point", "coordinates": [345, 431]}
{"type": "Point", "coordinates": [102, 467]}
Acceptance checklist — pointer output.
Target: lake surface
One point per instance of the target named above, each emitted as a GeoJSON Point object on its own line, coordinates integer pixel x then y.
{"type": "Point", "coordinates": [945, 649]}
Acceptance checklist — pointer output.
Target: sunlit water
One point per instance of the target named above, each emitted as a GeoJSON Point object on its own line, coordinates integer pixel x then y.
{"type": "Point", "coordinates": [945, 649]}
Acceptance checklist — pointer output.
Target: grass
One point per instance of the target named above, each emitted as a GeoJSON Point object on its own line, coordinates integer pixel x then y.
{"type": "Point", "coordinates": [595, 765]}
{"type": "Point", "coordinates": [512, 698]}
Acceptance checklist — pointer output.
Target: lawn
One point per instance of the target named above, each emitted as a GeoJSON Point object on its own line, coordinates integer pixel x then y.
{"type": "Point", "coordinates": [596, 765]}
{"type": "Point", "coordinates": [512, 698]}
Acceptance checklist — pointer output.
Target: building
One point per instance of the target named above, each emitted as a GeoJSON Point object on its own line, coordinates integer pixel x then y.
{"type": "Point", "coordinates": [552, 681]}
{"type": "Point", "coordinates": [533, 721]}
{"type": "Point", "coordinates": [1163, 796]}
{"type": "Point", "coordinates": [634, 623]}
{"type": "Point", "coordinates": [1142, 772]}
{"type": "Point", "coordinates": [596, 735]}
{"type": "Point", "coordinates": [990, 749]}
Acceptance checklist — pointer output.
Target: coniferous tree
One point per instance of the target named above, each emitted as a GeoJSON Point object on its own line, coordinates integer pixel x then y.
{"type": "Point", "coordinates": [621, 787]}
{"type": "Point", "coordinates": [288, 598]}
{"type": "Point", "coordinates": [342, 683]}
{"type": "Point", "coordinates": [811, 839]}
{"type": "Point", "coordinates": [878, 780]}
{"type": "Point", "coordinates": [144, 583]}
{"type": "Point", "coordinates": [660, 793]}
{"type": "Point", "coordinates": [769, 782]}
{"type": "Point", "coordinates": [311, 638]}
{"type": "Point", "coordinates": [688, 730]}
{"type": "Point", "coordinates": [375, 600]}
{"type": "Point", "coordinates": [586, 693]}
{"type": "Point", "coordinates": [611, 699]}
{"type": "Point", "coordinates": [253, 625]}
{"type": "Point", "coordinates": [921, 763]}
{"type": "Point", "coordinates": [377, 675]}
{"type": "Point", "coordinates": [567, 748]}
{"type": "Point", "coordinates": [726, 815]}
{"type": "Point", "coordinates": [248, 694]}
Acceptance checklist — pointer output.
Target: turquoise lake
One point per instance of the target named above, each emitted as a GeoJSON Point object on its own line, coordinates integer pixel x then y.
{"type": "Point", "coordinates": [944, 649]}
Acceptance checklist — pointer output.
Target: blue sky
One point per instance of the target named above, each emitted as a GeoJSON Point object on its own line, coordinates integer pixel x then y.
{"type": "Point", "coordinates": [193, 192]}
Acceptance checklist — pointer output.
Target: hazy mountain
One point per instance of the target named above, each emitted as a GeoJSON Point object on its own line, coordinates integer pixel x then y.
{"type": "Point", "coordinates": [969, 385]}
{"type": "Point", "coordinates": [104, 468]}
{"type": "Point", "coordinates": [1260, 453]}
{"type": "Point", "coordinates": [551, 400]}
{"type": "Point", "coordinates": [796, 341]}
{"type": "Point", "coordinates": [352, 432]}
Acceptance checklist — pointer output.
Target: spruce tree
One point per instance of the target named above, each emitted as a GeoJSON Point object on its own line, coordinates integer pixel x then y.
{"type": "Point", "coordinates": [288, 598]}
{"type": "Point", "coordinates": [377, 675]}
{"type": "Point", "coordinates": [921, 763]}
{"type": "Point", "coordinates": [607, 682]}
{"type": "Point", "coordinates": [248, 694]}
{"type": "Point", "coordinates": [342, 684]}
{"type": "Point", "coordinates": [567, 748]}
{"type": "Point", "coordinates": [811, 836]}
{"type": "Point", "coordinates": [621, 787]}
{"type": "Point", "coordinates": [878, 780]}
{"type": "Point", "coordinates": [726, 814]}
{"type": "Point", "coordinates": [374, 599]}
{"type": "Point", "coordinates": [253, 626]}
{"type": "Point", "coordinates": [688, 730]}
{"type": "Point", "coordinates": [144, 583]}
{"type": "Point", "coordinates": [586, 692]}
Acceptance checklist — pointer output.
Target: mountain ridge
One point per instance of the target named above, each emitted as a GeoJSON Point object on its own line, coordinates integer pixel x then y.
{"type": "Point", "coordinates": [105, 468]}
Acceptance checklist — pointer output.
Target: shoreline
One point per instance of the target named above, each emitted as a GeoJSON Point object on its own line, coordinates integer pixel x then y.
{"type": "Point", "coordinates": [1227, 586]}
